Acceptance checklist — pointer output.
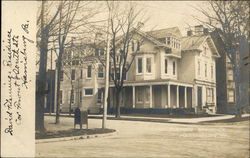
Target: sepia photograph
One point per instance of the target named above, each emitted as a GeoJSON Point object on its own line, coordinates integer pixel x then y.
{"type": "Point", "coordinates": [125, 79]}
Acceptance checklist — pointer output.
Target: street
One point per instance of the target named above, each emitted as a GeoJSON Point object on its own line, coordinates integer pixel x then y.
{"type": "Point", "coordinates": [150, 139]}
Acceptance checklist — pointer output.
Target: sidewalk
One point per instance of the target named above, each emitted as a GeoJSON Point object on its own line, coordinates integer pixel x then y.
{"type": "Point", "coordinates": [162, 120]}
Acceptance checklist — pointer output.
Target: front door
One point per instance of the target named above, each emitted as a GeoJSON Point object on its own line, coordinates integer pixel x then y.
{"type": "Point", "coordinates": [199, 93]}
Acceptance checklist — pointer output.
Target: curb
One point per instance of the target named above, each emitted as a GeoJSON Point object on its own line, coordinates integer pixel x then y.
{"type": "Point", "coordinates": [38, 141]}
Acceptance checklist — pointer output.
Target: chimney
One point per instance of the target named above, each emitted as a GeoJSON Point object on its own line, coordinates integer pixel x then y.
{"type": "Point", "coordinates": [189, 33]}
{"type": "Point", "coordinates": [199, 30]}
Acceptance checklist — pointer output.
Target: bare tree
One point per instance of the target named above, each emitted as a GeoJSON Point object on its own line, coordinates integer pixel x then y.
{"type": "Point", "coordinates": [43, 34]}
{"type": "Point", "coordinates": [231, 21]}
{"type": "Point", "coordinates": [123, 26]}
{"type": "Point", "coordinates": [68, 22]}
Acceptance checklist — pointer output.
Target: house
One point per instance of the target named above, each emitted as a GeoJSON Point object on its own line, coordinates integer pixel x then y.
{"type": "Point", "coordinates": [82, 79]}
{"type": "Point", "coordinates": [172, 72]}
{"type": "Point", "coordinates": [169, 72]}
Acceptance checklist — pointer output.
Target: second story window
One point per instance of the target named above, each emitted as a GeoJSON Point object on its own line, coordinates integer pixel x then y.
{"type": "Point", "coordinates": [73, 74]}
{"type": "Point", "coordinates": [166, 66]}
{"type": "Point", "coordinates": [148, 65]}
{"type": "Point", "coordinates": [139, 69]}
{"type": "Point", "coordinates": [100, 71]}
{"type": "Point", "coordinates": [174, 68]}
{"type": "Point", "coordinates": [205, 70]}
{"type": "Point", "coordinates": [89, 73]}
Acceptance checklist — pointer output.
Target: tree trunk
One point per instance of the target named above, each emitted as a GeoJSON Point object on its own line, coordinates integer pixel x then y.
{"type": "Point", "coordinates": [41, 83]}
{"type": "Point", "coordinates": [118, 110]}
{"type": "Point", "coordinates": [238, 107]}
{"type": "Point", "coordinates": [59, 69]}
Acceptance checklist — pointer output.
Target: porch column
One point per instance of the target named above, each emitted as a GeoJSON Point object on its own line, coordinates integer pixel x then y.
{"type": "Point", "coordinates": [133, 87]}
{"type": "Point", "coordinates": [177, 96]}
{"type": "Point", "coordinates": [169, 96]}
{"type": "Point", "coordinates": [150, 96]}
{"type": "Point", "coordinates": [185, 93]}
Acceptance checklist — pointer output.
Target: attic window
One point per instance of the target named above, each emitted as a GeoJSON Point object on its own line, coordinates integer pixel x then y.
{"type": "Point", "coordinates": [168, 50]}
{"type": "Point", "coordinates": [168, 40]}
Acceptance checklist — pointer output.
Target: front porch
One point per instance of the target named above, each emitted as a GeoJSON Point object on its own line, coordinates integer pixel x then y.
{"type": "Point", "coordinates": [154, 96]}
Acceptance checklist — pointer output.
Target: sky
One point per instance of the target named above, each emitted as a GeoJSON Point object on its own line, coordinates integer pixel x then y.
{"type": "Point", "coordinates": [164, 14]}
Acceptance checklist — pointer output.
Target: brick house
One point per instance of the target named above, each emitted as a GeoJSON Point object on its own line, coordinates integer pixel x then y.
{"type": "Point", "coordinates": [169, 72]}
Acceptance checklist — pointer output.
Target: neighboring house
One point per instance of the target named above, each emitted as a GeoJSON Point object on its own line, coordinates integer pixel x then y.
{"type": "Point", "coordinates": [82, 72]}
{"type": "Point", "coordinates": [225, 77]}
{"type": "Point", "coordinates": [169, 72]}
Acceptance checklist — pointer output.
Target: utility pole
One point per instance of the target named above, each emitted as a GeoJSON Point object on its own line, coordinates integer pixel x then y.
{"type": "Point", "coordinates": [106, 80]}
{"type": "Point", "coordinates": [51, 59]}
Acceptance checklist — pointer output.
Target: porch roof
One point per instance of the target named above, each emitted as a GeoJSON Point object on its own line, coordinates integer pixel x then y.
{"type": "Point", "coordinates": [156, 82]}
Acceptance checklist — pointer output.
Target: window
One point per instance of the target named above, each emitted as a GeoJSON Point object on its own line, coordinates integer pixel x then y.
{"type": "Point", "coordinates": [139, 70]}
{"type": "Point", "coordinates": [139, 94]}
{"type": "Point", "coordinates": [138, 46]}
{"type": "Point", "coordinates": [205, 70]}
{"type": "Point", "coordinates": [199, 67]}
{"type": "Point", "coordinates": [61, 76]}
{"type": "Point", "coordinates": [166, 66]}
{"type": "Point", "coordinates": [80, 96]}
{"type": "Point", "coordinates": [60, 96]}
{"type": "Point", "coordinates": [174, 68]}
{"type": "Point", "coordinates": [100, 71]}
{"type": "Point", "coordinates": [148, 65]}
{"type": "Point", "coordinates": [89, 91]}
{"type": "Point", "coordinates": [133, 46]}
{"type": "Point", "coordinates": [231, 96]}
{"type": "Point", "coordinates": [99, 95]}
{"type": "Point", "coordinates": [168, 40]}
{"type": "Point", "coordinates": [89, 73]}
{"type": "Point", "coordinates": [101, 52]}
{"type": "Point", "coordinates": [73, 74]}
{"type": "Point", "coordinates": [81, 75]}
{"type": "Point", "coordinates": [212, 72]}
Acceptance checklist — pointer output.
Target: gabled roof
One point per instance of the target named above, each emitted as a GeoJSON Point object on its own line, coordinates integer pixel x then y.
{"type": "Point", "coordinates": [194, 42]}
{"type": "Point", "coordinates": [163, 33]}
